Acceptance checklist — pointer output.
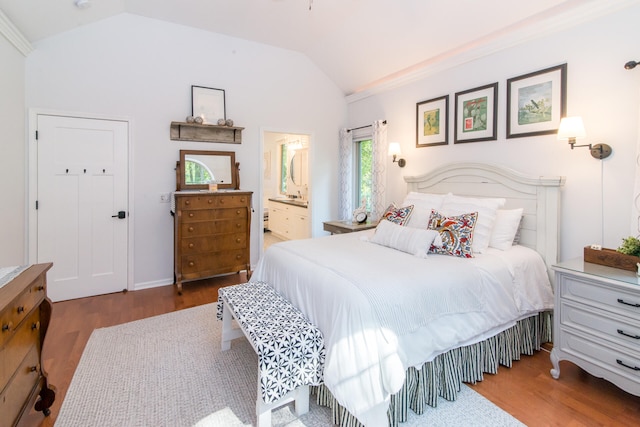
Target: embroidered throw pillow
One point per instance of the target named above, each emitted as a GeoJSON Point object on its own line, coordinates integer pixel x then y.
{"type": "Point", "coordinates": [456, 233]}
{"type": "Point", "coordinates": [397, 215]}
{"type": "Point", "coordinates": [486, 208]}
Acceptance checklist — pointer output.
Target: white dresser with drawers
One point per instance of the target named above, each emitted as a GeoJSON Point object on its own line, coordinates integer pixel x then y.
{"type": "Point", "coordinates": [597, 322]}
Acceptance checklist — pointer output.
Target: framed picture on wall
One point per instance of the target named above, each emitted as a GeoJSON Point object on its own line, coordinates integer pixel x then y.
{"type": "Point", "coordinates": [476, 114]}
{"type": "Point", "coordinates": [208, 103]}
{"type": "Point", "coordinates": [536, 102]}
{"type": "Point", "coordinates": [432, 123]}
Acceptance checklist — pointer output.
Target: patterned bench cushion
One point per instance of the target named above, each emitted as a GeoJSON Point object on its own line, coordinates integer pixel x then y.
{"type": "Point", "coordinates": [290, 348]}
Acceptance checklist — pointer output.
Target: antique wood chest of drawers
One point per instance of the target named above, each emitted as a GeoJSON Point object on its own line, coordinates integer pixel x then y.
{"type": "Point", "coordinates": [597, 322]}
{"type": "Point", "coordinates": [25, 312]}
{"type": "Point", "coordinates": [211, 234]}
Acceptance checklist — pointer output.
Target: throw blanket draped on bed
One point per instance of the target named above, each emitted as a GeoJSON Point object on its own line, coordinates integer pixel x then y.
{"type": "Point", "coordinates": [381, 310]}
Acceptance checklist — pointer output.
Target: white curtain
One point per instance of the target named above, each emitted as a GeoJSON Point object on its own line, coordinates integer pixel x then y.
{"type": "Point", "coordinates": [380, 161]}
{"type": "Point", "coordinates": [346, 174]}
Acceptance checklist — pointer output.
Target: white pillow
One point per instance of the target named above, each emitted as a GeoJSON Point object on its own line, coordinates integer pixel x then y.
{"type": "Point", "coordinates": [410, 240]}
{"type": "Point", "coordinates": [422, 203]}
{"type": "Point", "coordinates": [505, 228]}
{"type": "Point", "coordinates": [486, 207]}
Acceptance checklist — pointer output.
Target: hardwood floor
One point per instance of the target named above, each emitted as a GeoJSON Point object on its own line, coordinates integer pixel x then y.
{"type": "Point", "coordinates": [526, 390]}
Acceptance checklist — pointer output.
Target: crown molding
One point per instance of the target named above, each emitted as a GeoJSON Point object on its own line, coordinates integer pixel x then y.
{"type": "Point", "coordinates": [519, 33]}
{"type": "Point", "coordinates": [15, 37]}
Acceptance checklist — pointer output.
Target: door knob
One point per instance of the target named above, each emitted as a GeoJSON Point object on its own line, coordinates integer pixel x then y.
{"type": "Point", "coordinates": [121, 215]}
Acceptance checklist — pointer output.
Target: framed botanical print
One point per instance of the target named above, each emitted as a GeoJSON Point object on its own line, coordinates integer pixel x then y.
{"type": "Point", "coordinates": [208, 103]}
{"type": "Point", "coordinates": [476, 114]}
{"type": "Point", "coordinates": [432, 123]}
{"type": "Point", "coordinates": [536, 102]}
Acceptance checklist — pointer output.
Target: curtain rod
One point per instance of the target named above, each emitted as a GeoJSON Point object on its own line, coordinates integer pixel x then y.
{"type": "Point", "coordinates": [366, 126]}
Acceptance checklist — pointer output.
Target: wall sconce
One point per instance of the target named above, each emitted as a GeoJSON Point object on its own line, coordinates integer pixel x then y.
{"type": "Point", "coordinates": [572, 128]}
{"type": "Point", "coordinates": [394, 150]}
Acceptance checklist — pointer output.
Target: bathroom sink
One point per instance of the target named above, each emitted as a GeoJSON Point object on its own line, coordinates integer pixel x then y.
{"type": "Point", "coordinates": [290, 201]}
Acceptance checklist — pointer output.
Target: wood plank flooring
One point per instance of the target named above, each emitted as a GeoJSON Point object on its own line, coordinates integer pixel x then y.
{"type": "Point", "coordinates": [526, 390]}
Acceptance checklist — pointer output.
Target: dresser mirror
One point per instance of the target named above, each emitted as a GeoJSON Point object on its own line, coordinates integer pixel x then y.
{"type": "Point", "coordinates": [197, 168]}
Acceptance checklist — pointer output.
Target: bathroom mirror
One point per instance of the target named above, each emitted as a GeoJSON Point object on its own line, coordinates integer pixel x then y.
{"type": "Point", "coordinates": [198, 167]}
{"type": "Point", "coordinates": [298, 167]}
{"type": "Point", "coordinates": [295, 169]}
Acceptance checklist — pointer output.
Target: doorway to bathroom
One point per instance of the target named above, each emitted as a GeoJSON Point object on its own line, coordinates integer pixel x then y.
{"type": "Point", "coordinates": [285, 187]}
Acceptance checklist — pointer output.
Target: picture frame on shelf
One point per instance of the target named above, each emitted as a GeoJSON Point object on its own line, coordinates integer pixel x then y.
{"type": "Point", "coordinates": [536, 102]}
{"type": "Point", "coordinates": [432, 122]}
{"type": "Point", "coordinates": [476, 114]}
{"type": "Point", "coordinates": [208, 103]}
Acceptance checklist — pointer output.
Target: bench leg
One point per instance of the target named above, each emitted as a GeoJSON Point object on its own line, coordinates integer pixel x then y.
{"type": "Point", "coordinates": [299, 396]}
{"type": "Point", "coordinates": [302, 400]}
{"type": "Point", "coordinates": [228, 331]}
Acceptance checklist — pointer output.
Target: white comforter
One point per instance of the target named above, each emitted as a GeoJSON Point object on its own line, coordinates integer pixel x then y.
{"type": "Point", "coordinates": [381, 310]}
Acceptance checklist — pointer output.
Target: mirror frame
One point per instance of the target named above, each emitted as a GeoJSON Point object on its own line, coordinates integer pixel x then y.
{"type": "Point", "coordinates": [180, 175]}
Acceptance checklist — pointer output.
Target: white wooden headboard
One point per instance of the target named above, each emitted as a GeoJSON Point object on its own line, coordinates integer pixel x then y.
{"type": "Point", "coordinates": [539, 196]}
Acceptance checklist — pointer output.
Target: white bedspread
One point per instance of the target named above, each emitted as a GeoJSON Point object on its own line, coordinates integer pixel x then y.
{"type": "Point", "coordinates": [381, 310]}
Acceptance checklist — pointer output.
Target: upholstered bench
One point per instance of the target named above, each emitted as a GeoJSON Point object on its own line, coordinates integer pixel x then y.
{"type": "Point", "coordinates": [290, 348]}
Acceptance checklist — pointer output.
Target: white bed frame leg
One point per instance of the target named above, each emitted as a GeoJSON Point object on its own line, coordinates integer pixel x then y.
{"type": "Point", "coordinates": [299, 396]}
{"type": "Point", "coordinates": [228, 331]}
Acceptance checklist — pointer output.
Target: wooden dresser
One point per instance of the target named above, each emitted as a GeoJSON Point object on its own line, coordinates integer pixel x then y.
{"type": "Point", "coordinates": [25, 312]}
{"type": "Point", "coordinates": [211, 234]}
{"type": "Point", "coordinates": [597, 322]}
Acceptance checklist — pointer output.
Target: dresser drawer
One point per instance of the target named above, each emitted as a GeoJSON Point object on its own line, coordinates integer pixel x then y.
{"type": "Point", "coordinates": [603, 296]}
{"type": "Point", "coordinates": [608, 326]}
{"type": "Point", "coordinates": [213, 214]}
{"type": "Point", "coordinates": [15, 395]}
{"type": "Point", "coordinates": [214, 262]}
{"type": "Point", "coordinates": [25, 338]}
{"type": "Point", "coordinates": [19, 308]}
{"type": "Point", "coordinates": [213, 201]}
{"type": "Point", "coordinates": [216, 243]}
{"type": "Point", "coordinates": [206, 228]}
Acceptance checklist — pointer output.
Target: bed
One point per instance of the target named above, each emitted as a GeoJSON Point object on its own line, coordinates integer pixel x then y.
{"type": "Point", "coordinates": [403, 326]}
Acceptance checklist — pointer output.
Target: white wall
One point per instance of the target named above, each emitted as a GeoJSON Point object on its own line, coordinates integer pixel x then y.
{"type": "Point", "coordinates": [599, 89]}
{"type": "Point", "coordinates": [12, 156]}
{"type": "Point", "coordinates": [143, 69]}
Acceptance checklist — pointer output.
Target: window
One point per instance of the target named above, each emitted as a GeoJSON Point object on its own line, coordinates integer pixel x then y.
{"type": "Point", "coordinates": [363, 159]}
{"type": "Point", "coordinates": [196, 172]}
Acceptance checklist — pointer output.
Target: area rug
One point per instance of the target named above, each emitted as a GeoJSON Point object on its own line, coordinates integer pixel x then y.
{"type": "Point", "coordinates": [169, 370]}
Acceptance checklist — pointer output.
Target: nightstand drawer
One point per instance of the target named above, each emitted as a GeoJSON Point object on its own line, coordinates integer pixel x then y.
{"type": "Point", "coordinates": [615, 328]}
{"type": "Point", "coordinates": [598, 295]}
{"type": "Point", "coordinates": [623, 363]}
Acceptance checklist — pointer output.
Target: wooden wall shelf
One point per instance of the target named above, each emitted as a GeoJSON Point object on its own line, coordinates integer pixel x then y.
{"type": "Point", "coordinates": [181, 131]}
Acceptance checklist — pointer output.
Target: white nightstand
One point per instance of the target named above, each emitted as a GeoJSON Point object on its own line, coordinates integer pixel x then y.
{"type": "Point", "coordinates": [597, 322]}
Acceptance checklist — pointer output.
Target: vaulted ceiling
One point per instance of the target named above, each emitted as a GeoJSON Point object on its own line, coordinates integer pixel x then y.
{"type": "Point", "coordinates": [359, 44]}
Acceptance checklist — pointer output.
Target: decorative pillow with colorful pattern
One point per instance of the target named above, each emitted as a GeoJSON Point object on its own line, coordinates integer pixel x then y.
{"type": "Point", "coordinates": [397, 215]}
{"type": "Point", "coordinates": [456, 233]}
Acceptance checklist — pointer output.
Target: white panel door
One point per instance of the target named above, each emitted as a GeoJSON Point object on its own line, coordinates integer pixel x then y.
{"type": "Point", "coordinates": [82, 187]}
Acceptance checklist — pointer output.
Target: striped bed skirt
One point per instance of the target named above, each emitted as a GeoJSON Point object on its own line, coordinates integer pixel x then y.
{"type": "Point", "coordinates": [443, 376]}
